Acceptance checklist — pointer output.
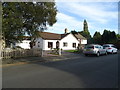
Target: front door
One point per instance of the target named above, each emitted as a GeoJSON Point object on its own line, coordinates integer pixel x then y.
{"type": "Point", "coordinates": [57, 44]}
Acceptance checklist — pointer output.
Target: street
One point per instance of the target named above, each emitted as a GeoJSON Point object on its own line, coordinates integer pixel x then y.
{"type": "Point", "coordinates": [76, 72]}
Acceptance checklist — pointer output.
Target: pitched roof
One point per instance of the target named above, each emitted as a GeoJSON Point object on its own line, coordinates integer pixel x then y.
{"type": "Point", "coordinates": [79, 36]}
{"type": "Point", "coordinates": [64, 35]}
{"type": "Point", "coordinates": [52, 36]}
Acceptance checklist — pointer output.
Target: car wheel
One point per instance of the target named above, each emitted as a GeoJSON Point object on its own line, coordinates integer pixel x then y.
{"type": "Point", "coordinates": [98, 54]}
{"type": "Point", "coordinates": [112, 52]}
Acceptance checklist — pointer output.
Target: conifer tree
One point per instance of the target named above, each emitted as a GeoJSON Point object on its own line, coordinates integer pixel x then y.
{"type": "Point", "coordinates": [86, 32]}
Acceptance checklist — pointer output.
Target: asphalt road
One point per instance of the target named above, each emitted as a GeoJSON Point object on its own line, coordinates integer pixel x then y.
{"type": "Point", "coordinates": [76, 72]}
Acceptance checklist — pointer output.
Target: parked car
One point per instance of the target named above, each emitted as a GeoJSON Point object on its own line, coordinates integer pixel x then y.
{"type": "Point", "coordinates": [94, 49]}
{"type": "Point", "coordinates": [110, 48]}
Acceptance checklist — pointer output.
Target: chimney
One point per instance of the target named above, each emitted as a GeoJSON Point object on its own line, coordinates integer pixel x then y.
{"type": "Point", "coordinates": [66, 30]}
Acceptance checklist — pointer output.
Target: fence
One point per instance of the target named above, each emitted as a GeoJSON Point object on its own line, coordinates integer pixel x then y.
{"type": "Point", "coordinates": [6, 54]}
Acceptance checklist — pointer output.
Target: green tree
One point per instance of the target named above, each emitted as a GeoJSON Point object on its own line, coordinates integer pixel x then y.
{"type": "Point", "coordinates": [74, 32]}
{"type": "Point", "coordinates": [86, 32]}
{"type": "Point", "coordinates": [106, 36]}
{"type": "Point", "coordinates": [20, 18]}
{"type": "Point", "coordinates": [117, 44]}
{"type": "Point", "coordinates": [118, 36]}
{"type": "Point", "coordinates": [109, 37]}
{"type": "Point", "coordinates": [85, 26]}
{"type": "Point", "coordinates": [113, 37]}
{"type": "Point", "coordinates": [97, 38]}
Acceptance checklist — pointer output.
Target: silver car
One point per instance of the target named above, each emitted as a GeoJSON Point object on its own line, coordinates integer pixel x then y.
{"type": "Point", "coordinates": [110, 48]}
{"type": "Point", "coordinates": [95, 49]}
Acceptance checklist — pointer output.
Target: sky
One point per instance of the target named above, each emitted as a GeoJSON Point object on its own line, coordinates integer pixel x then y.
{"type": "Point", "coordinates": [99, 16]}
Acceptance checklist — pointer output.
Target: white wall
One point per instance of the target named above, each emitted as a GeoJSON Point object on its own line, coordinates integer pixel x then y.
{"type": "Point", "coordinates": [24, 44]}
{"type": "Point", "coordinates": [70, 39]}
{"type": "Point", "coordinates": [83, 41]}
{"type": "Point", "coordinates": [46, 44]}
{"type": "Point", "coordinates": [38, 43]}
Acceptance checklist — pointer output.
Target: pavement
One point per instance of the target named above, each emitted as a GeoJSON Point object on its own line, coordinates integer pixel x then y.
{"type": "Point", "coordinates": [50, 58]}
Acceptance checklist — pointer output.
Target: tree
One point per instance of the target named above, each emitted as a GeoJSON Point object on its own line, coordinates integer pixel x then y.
{"type": "Point", "coordinates": [118, 36]}
{"type": "Point", "coordinates": [117, 44]}
{"type": "Point", "coordinates": [97, 38]}
{"type": "Point", "coordinates": [20, 18]}
{"type": "Point", "coordinates": [106, 36]}
{"type": "Point", "coordinates": [109, 37]}
{"type": "Point", "coordinates": [74, 32]}
{"type": "Point", "coordinates": [85, 26]}
{"type": "Point", "coordinates": [113, 37]}
{"type": "Point", "coordinates": [86, 32]}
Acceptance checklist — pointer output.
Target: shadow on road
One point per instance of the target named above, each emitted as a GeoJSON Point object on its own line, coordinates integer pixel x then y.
{"type": "Point", "coordinates": [92, 71]}
{"type": "Point", "coordinates": [78, 71]}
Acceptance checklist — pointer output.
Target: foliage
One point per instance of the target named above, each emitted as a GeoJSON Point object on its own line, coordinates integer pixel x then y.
{"type": "Point", "coordinates": [118, 36]}
{"type": "Point", "coordinates": [74, 32]}
{"type": "Point", "coordinates": [87, 35]}
{"type": "Point", "coordinates": [97, 38]}
{"type": "Point", "coordinates": [109, 37]}
{"type": "Point", "coordinates": [86, 32]}
{"type": "Point", "coordinates": [85, 27]}
{"type": "Point", "coordinates": [20, 18]}
{"type": "Point", "coordinates": [106, 37]}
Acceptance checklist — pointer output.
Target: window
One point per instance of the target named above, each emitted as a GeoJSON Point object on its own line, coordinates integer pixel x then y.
{"type": "Point", "coordinates": [38, 44]}
{"type": "Point", "coordinates": [113, 46]}
{"type": "Point", "coordinates": [74, 45]}
{"type": "Point", "coordinates": [96, 46]}
{"type": "Point", "coordinates": [105, 46]}
{"type": "Point", "coordinates": [50, 44]}
{"type": "Point", "coordinates": [65, 44]}
{"type": "Point", "coordinates": [89, 47]}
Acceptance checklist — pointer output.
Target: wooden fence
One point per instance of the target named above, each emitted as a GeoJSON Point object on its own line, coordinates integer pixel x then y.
{"type": "Point", "coordinates": [6, 54]}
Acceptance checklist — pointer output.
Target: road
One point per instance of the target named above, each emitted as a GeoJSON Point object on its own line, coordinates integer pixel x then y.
{"type": "Point", "coordinates": [76, 72]}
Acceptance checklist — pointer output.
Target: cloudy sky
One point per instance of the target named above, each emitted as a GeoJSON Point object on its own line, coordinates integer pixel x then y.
{"type": "Point", "coordinates": [99, 15]}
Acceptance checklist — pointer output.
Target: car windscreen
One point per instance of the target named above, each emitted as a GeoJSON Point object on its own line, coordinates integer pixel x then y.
{"type": "Point", "coordinates": [89, 47]}
{"type": "Point", "coordinates": [113, 46]}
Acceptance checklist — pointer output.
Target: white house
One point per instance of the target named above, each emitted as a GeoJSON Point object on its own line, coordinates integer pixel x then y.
{"type": "Point", "coordinates": [67, 41]}
{"type": "Point", "coordinates": [25, 43]}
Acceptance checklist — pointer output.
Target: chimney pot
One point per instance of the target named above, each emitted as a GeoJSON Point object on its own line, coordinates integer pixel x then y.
{"type": "Point", "coordinates": [66, 30]}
